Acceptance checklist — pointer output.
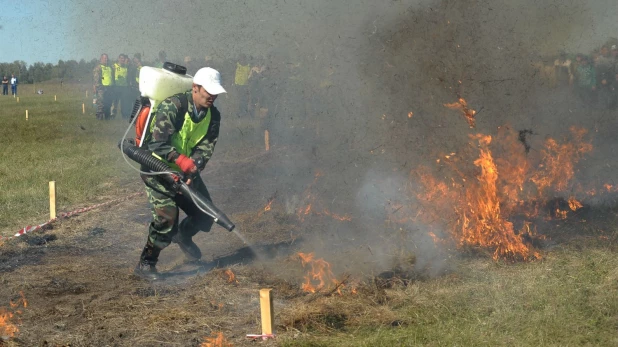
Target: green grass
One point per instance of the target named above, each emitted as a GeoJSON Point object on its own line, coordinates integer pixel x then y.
{"type": "Point", "coordinates": [57, 143]}
{"type": "Point", "coordinates": [568, 299]}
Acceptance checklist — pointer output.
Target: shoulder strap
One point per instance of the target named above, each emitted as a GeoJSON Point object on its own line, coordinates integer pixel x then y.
{"type": "Point", "coordinates": [184, 107]}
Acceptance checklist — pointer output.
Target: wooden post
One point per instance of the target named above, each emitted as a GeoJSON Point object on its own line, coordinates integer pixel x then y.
{"type": "Point", "coordinates": [52, 199]}
{"type": "Point", "coordinates": [26, 114]}
{"type": "Point", "coordinates": [267, 140]}
{"type": "Point", "coordinates": [55, 98]}
{"type": "Point", "coordinates": [83, 108]}
{"type": "Point", "coordinates": [267, 312]}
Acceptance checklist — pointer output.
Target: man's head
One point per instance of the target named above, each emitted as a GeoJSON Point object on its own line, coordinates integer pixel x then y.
{"type": "Point", "coordinates": [123, 59]}
{"type": "Point", "coordinates": [137, 59]}
{"type": "Point", "coordinates": [206, 87]}
{"type": "Point", "coordinates": [104, 59]}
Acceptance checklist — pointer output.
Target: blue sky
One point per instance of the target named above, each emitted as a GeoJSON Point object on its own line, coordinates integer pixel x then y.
{"type": "Point", "coordinates": [34, 30]}
{"type": "Point", "coordinates": [49, 30]}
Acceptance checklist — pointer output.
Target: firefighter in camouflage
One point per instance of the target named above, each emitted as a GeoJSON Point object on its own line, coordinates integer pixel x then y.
{"type": "Point", "coordinates": [182, 133]}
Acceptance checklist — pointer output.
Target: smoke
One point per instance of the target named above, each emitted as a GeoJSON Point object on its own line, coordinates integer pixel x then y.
{"type": "Point", "coordinates": [344, 75]}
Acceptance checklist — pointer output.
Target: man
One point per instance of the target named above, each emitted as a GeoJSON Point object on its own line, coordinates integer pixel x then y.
{"type": "Point", "coordinates": [5, 85]}
{"type": "Point", "coordinates": [162, 58]}
{"type": "Point", "coordinates": [586, 81]}
{"type": "Point", "coordinates": [121, 87]}
{"type": "Point", "coordinates": [103, 83]}
{"type": "Point", "coordinates": [134, 70]}
{"type": "Point", "coordinates": [14, 84]}
{"type": "Point", "coordinates": [183, 133]}
{"type": "Point", "coordinates": [241, 79]}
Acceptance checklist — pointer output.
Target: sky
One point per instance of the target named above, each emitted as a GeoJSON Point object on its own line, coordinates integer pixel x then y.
{"type": "Point", "coordinates": [39, 30]}
{"type": "Point", "coordinates": [35, 30]}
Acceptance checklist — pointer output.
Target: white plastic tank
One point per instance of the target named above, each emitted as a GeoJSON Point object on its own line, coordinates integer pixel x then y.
{"type": "Point", "coordinates": [159, 84]}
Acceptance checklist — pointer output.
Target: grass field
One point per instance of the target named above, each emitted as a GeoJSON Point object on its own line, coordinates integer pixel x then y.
{"type": "Point", "coordinates": [569, 298]}
{"type": "Point", "coordinates": [56, 143]}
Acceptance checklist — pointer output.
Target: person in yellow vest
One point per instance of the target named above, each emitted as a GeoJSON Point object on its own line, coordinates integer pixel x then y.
{"type": "Point", "coordinates": [103, 84]}
{"type": "Point", "coordinates": [134, 70]}
{"type": "Point", "coordinates": [121, 87]}
{"type": "Point", "coordinates": [241, 88]}
{"type": "Point", "coordinates": [183, 133]}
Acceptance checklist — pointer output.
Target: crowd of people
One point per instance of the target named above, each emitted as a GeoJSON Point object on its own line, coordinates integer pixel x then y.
{"type": "Point", "coordinates": [594, 77]}
{"type": "Point", "coordinates": [116, 85]}
{"type": "Point", "coordinates": [5, 85]}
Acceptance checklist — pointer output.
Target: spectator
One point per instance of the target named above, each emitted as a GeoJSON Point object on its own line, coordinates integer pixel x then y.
{"type": "Point", "coordinates": [5, 85]}
{"type": "Point", "coordinates": [586, 82]}
{"type": "Point", "coordinates": [14, 85]}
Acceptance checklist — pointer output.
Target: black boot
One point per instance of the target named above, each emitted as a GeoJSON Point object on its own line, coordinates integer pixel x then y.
{"type": "Point", "coordinates": [188, 247]}
{"type": "Point", "coordinates": [146, 268]}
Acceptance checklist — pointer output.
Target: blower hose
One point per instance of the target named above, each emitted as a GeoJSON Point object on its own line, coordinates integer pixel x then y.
{"type": "Point", "coordinates": [145, 157]}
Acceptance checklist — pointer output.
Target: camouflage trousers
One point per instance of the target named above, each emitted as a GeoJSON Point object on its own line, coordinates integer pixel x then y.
{"type": "Point", "coordinates": [165, 205]}
{"type": "Point", "coordinates": [104, 102]}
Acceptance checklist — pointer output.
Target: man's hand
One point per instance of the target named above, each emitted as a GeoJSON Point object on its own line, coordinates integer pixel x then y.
{"type": "Point", "coordinates": [186, 164]}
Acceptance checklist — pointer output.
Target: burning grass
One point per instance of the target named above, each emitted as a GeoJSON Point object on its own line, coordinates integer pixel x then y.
{"type": "Point", "coordinates": [494, 203]}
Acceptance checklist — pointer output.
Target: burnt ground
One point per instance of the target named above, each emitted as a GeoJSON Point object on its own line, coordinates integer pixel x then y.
{"type": "Point", "coordinates": [77, 276]}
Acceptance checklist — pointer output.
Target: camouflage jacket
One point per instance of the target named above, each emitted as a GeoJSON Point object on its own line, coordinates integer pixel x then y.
{"type": "Point", "coordinates": [169, 118]}
{"type": "Point", "coordinates": [96, 76]}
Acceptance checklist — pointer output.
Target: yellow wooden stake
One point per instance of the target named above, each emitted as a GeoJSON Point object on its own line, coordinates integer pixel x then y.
{"type": "Point", "coordinates": [55, 98]}
{"type": "Point", "coordinates": [83, 108]}
{"type": "Point", "coordinates": [266, 140]}
{"type": "Point", "coordinates": [26, 114]}
{"type": "Point", "coordinates": [52, 199]}
{"type": "Point", "coordinates": [267, 311]}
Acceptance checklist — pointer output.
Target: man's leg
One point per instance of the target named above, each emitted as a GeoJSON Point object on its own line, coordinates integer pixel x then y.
{"type": "Point", "coordinates": [163, 226]}
{"type": "Point", "coordinates": [100, 103]}
{"type": "Point", "coordinates": [195, 222]}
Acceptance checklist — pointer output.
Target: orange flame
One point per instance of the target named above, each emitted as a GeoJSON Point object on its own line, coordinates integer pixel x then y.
{"type": "Point", "coordinates": [478, 212]}
{"type": "Point", "coordinates": [309, 202]}
{"type": "Point", "coordinates": [231, 278]}
{"type": "Point", "coordinates": [268, 206]}
{"type": "Point", "coordinates": [319, 275]}
{"type": "Point", "coordinates": [574, 205]}
{"type": "Point", "coordinates": [468, 113]}
{"type": "Point", "coordinates": [7, 328]}
{"type": "Point", "coordinates": [216, 340]}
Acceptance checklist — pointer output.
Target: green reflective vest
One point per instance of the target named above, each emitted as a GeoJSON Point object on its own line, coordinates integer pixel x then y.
{"type": "Point", "coordinates": [120, 75]}
{"type": "Point", "coordinates": [189, 135]}
{"type": "Point", "coordinates": [106, 75]}
{"type": "Point", "coordinates": [242, 74]}
{"type": "Point", "coordinates": [137, 70]}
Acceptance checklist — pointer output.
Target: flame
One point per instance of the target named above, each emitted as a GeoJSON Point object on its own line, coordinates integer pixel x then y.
{"type": "Point", "coordinates": [319, 275]}
{"type": "Point", "coordinates": [574, 205]}
{"type": "Point", "coordinates": [462, 105]}
{"type": "Point", "coordinates": [215, 340]}
{"type": "Point", "coordinates": [231, 278]}
{"type": "Point", "coordinates": [308, 205]}
{"type": "Point", "coordinates": [560, 214]}
{"type": "Point", "coordinates": [7, 328]}
{"type": "Point", "coordinates": [477, 209]}
{"type": "Point", "coordinates": [268, 206]}
{"type": "Point", "coordinates": [557, 167]}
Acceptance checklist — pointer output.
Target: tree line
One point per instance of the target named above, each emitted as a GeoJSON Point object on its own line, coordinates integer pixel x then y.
{"type": "Point", "coordinates": [70, 70]}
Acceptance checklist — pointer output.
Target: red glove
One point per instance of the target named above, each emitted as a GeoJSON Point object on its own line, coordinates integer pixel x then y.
{"type": "Point", "coordinates": [186, 164]}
